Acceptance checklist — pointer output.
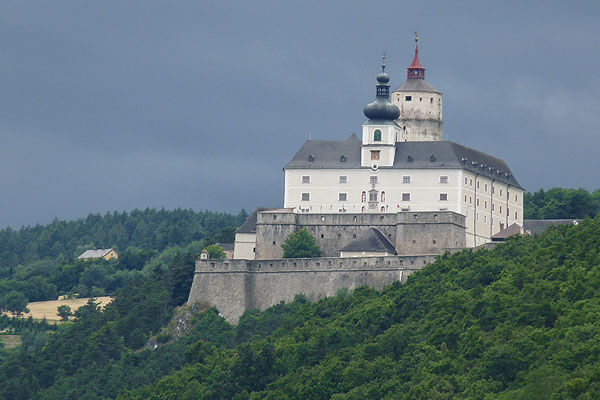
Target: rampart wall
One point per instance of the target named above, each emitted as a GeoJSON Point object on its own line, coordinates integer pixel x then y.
{"type": "Point", "coordinates": [234, 286]}
{"type": "Point", "coordinates": [424, 232]}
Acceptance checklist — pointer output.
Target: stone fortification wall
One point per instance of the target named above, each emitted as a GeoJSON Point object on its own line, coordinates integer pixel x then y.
{"type": "Point", "coordinates": [410, 232]}
{"type": "Point", "coordinates": [234, 286]}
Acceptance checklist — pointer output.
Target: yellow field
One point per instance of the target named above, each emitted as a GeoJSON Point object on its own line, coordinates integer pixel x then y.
{"type": "Point", "coordinates": [47, 309]}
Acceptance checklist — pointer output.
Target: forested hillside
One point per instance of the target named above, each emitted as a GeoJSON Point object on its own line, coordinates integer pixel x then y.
{"type": "Point", "coordinates": [521, 321]}
{"type": "Point", "coordinates": [558, 203]}
{"type": "Point", "coordinates": [39, 262]}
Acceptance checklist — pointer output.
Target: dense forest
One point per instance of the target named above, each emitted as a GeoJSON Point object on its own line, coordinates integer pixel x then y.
{"type": "Point", "coordinates": [40, 262]}
{"type": "Point", "coordinates": [515, 322]}
{"type": "Point", "coordinates": [558, 203]}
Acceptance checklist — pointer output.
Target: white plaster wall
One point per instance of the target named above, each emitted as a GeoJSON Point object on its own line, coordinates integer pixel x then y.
{"type": "Point", "coordinates": [324, 187]}
{"type": "Point", "coordinates": [244, 247]}
{"type": "Point", "coordinates": [494, 211]}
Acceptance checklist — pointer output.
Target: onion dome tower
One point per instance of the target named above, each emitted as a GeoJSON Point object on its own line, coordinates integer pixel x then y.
{"type": "Point", "coordinates": [380, 132]}
{"type": "Point", "coordinates": [382, 108]}
{"type": "Point", "coordinates": [420, 104]}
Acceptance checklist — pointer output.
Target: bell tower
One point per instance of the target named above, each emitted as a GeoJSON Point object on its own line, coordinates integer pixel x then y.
{"type": "Point", "coordinates": [380, 131]}
{"type": "Point", "coordinates": [420, 105]}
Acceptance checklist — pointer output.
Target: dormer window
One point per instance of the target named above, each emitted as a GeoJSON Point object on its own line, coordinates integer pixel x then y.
{"type": "Point", "coordinates": [310, 158]}
{"type": "Point", "coordinates": [377, 135]}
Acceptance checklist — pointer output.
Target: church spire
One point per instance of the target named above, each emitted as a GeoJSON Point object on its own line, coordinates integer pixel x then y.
{"type": "Point", "coordinates": [415, 69]}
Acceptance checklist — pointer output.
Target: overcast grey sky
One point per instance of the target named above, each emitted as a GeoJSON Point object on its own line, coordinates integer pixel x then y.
{"type": "Point", "coordinates": [118, 105]}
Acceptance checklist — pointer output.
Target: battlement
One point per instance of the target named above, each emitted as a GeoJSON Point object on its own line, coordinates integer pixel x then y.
{"type": "Point", "coordinates": [234, 286]}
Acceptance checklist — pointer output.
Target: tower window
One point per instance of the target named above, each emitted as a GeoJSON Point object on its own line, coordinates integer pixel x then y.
{"type": "Point", "coordinates": [485, 187]}
{"type": "Point", "coordinates": [305, 196]}
{"type": "Point", "coordinates": [406, 179]}
{"type": "Point", "coordinates": [408, 98]}
{"type": "Point", "coordinates": [306, 179]}
{"type": "Point", "coordinates": [377, 135]}
{"type": "Point", "coordinates": [431, 100]}
{"type": "Point", "coordinates": [373, 179]}
{"type": "Point", "coordinates": [375, 154]}
{"type": "Point", "coordinates": [443, 196]}
{"type": "Point", "coordinates": [373, 195]}
{"type": "Point", "coordinates": [363, 197]}
{"type": "Point", "coordinates": [382, 197]}
{"type": "Point", "coordinates": [405, 196]}
{"type": "Point", "coordinates": [343, 179]}
{"type": "Point", "coordinates": [443, 179]}
{"type": "Point", "coordinates": [342, 196]}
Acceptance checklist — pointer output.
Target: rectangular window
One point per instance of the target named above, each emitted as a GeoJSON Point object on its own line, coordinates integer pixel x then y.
{"type": "Point", "coordinates": [477, 217]}
{"type": "Point", "coordinates": [373, 179]}
{"type": "Point", "coordinates": [470, 200]}
{"type": "Point", "coordinates": [516, 198]}
{"type": "Point", "coordinates": [477, 185]}
{"type": "Point", "coordinates": [408, 98]}
{"type": "Point", "coordinates": [406, 179]}
{"type": "Point", "coordinates": [443, 196]}
{"type": "Point", "coordinates": [516, 215]}
{"type": "Point", "coordinates": [405, 196]}
{"type": "Point", "coordinates": [342, 196]}
{"type": "Point", "coordinates": [465, 198]}
{"type": "Point", "coordinates": [492, 206]}
{"type": "Point", "coordinates": [306, 179]}
{"type": "Point", "coordinates": [485, 219]}
{"type": "Point", "coordinates": [492, 189]}
{"type": "Point", "coordinates": [500, 212]}
{"type": "Point", "coordinates": [305, 196]}
{"type": "Point", "coordinates": [343, 179]}
{"type": "Point", "coordinates": [375, 154]}
{"type": "Point", "coordinates": [477, 202]}
{"type": "Point", "coordinates": [485, 187]}
{"type": "Point", "coordinates": [443, 179]}
{"type": "Point", "coordinates": [373, 195]}
{"type": "Point", "coordinates": [466, 180]}
{"type": "Point", "coordinates": [500, 192]}
{"type": "Point", "coordinates": [485, 204]}
{"type": "Point", "coordinates": [470, 182]}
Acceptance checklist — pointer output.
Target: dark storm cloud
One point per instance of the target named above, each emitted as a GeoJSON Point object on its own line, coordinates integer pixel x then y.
{"type": "Point", "coordinates": [118, 105]}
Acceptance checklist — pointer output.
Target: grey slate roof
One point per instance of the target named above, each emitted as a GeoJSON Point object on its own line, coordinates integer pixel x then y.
{"type": "Point", "coordinates": [371, 240]}
{"type": "Point", "coordinates": [249, 225]}
{"type": "Point", "coordinates": [416, 85]}
{"type": "Point", "coordinates": [537, 226]}
{"type": "Point", "coordinates": [430, 155]}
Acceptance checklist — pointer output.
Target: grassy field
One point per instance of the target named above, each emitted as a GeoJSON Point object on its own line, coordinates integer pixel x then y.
{"type": "Point", "coordinates": [10, 341]}
{"type": "Point", "coordinates": [47, 309]}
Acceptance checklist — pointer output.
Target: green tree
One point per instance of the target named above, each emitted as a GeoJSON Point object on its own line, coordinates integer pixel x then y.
{"type": "Point", "coordinates": [215, 251]}
{"type": "Point", "coordinates": [300, 245]}
{"type": "Point", "coordinates": [15, 302]}
{"type": "Point", "coordinates": [64, 312]}
{"type": "Point", "coordinates": [180, 276]}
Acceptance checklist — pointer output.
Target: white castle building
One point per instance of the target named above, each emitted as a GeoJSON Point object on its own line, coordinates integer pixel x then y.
{"type": "Point", "coordinates": [400, 164]}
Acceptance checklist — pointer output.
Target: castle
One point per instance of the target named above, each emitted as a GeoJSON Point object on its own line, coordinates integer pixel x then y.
{"type": "Point", "coordinates": [379, 206]}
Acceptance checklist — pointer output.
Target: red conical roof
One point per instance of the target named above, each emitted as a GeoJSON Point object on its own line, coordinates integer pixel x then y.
{"type": "Point", "coordinates": [416, 63]}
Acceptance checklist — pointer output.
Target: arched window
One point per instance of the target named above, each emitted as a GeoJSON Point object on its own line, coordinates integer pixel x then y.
{"type": "Point", "coordinates": [377, 135]}
{"type": "Point", "coordinates": [364, 197]}
{"type": "Point", "coordinates": [362, 209]}
{"type": "Point", "coordinates": [382, 196]}
{"type": "Point", "coordinates": [382, 209]}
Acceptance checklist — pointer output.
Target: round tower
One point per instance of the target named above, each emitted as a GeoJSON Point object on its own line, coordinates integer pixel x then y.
{"type": "Point", "coordinates": [420, 105]}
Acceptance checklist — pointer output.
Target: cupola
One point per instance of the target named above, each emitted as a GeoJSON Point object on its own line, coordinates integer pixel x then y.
{"type": "Point", "coordinates": [382, 108]}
